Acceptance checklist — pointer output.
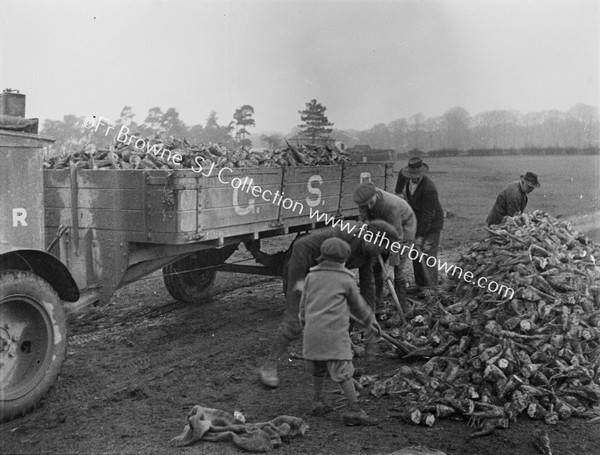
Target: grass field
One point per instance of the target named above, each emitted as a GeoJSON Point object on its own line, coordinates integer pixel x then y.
{"type": "Point", "coordinates": [468, 187]}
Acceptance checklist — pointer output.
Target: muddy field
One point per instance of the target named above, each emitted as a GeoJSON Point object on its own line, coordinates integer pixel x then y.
{"type": "Point", "coordinates": [136, 367]}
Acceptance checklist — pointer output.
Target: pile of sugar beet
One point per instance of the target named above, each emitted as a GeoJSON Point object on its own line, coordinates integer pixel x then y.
{"type": "Point", "coordinates": [492, 357]}
{"type": "Point", "coordinates": [157, 153]}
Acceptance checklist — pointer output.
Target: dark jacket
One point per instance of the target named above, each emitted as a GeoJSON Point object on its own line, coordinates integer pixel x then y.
{"type": "Point", "coordinates": [426, 205]}
{"type": "Point", "coordinates": [511, 200]}
{"type": "Point", "coordinates": [401, 184]}
{"type": "Point", "coordinates": [307, 249]}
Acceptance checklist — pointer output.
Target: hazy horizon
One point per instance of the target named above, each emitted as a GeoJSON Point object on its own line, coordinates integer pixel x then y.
{"type": "Point", "coordinates": [367, 62]}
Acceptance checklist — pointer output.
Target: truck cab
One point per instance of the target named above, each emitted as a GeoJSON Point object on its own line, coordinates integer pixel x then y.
{"type": "Point", "coordinates": [33, 283]}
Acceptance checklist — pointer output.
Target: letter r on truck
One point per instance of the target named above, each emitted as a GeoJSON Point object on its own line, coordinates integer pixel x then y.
{"type": "Point", "coordinates": [19, 215]}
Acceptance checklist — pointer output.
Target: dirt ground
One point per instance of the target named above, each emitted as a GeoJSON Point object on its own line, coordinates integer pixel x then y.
{"type": "Point", "coordinates": [136, 366]}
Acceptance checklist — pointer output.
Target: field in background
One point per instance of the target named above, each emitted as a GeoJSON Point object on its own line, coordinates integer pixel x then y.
{"type": "Point", "coordinates": [468, 187]}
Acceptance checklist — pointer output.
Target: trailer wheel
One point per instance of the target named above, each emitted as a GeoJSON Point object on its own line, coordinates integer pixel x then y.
{"type": "Point", "coordinates": [33, 339]}
{"type": "Point", "coordinates": [186, 286]}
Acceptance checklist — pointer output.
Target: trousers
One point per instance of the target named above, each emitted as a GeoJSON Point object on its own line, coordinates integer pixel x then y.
{"type": "Point", "coordinates": [425, 275]}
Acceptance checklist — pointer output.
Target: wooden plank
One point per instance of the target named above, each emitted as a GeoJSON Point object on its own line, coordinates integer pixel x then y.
{"type": "Point", "coordinates": [88, 178]}
{"type": "Point", "coordinates": [316, 188]}
{"type": "Point", "coordinates": [310, 194]}
{"type": "Point", "coordinates": [260, 175]}
{"type": "Point", "coordinates": [110, 178]}
{"type": "Point", "coordinates": [93, 198]}
{"type": "Point", "coordinates": [209, 205]}
{"type": "Point", "coordinates": [211, 199]}
{"type": "Point", "coordinates": [217, 177]}
{"type": "Point", "coordinates": [355, 171]}
{"type": "Point", "coordinates": [57, 197]}
{"type": "Point", "coordinates": [328, 205]}
{"type": "Point", "coordinates": [215, 193]}
{"type": "Point", "coordinates": [228, 217]}
{"type": "Point", "coordinates": [159, 200]}
{"type": "Point", "coordinates": [171, 221]}
{"type": "Point", "coordinates": [56, 178]}
{"type": "Point", "coordinates": [303, 174]}
{"type": "Point", "coordinates": [226, 196]}
{"type": "Point", "coordinates": [121, 220]}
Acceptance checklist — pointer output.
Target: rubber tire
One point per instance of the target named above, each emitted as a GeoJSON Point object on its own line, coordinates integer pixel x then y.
{"type": "Point", "coordinates": [42, 309]}
{"type": "Point", "coordinates": [188, 287]}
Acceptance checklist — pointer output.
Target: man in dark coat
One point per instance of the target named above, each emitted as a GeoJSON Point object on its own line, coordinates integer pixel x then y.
{"type": "Point", "coordinates": [513, 198]}
{"type": "Point", "coordinates": [422, 196]}
{"type": "Point", "coordinates": [305, 252]}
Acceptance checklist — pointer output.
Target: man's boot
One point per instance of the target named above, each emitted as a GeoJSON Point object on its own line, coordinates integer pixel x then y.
{"type": "Point", "coordinates": [268, 374]}
{"type": "Point", "coordinates": [268, 371]}
{"type": "Point", "coordinates": [352, 417]}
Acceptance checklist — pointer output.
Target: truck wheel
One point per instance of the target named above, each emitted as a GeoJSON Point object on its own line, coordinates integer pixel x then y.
{"type": "Point", "coordinates": [33, 340]}
{"type": "Point", "coordinates": [186, 286]}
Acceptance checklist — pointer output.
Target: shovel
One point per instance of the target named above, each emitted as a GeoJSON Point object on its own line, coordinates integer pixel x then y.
{"type": "Point", "coordinates": [403, 347]}
{"type": "Point", "coordinates": [392, 290]}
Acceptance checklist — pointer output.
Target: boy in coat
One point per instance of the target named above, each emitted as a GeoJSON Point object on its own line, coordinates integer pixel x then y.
{"type": "Point", "coordinates": [329, 296]}
{"type": "Point", "coordinates": [304, 255]}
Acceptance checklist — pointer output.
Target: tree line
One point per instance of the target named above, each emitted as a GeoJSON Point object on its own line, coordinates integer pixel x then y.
{"type": "Point", "coordinates": [71, 133]}
{"type": "Point", "coordinates": [454, 132]}
{"type": "Point", "coordinates": [457, 131]}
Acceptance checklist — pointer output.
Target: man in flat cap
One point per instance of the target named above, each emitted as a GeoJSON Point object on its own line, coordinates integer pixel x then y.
{"type": "Point", "coordinates": [422, 195]}
{"type": "Point", "coordinates": [513, 198]}
{"type": "Point", "coordinates": [377, 204]}
{"type": "Point", "coordinates": [305, 252]}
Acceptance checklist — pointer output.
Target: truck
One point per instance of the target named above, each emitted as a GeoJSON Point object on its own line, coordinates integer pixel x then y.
{"type": "Point", "coordinates": [70, 238]}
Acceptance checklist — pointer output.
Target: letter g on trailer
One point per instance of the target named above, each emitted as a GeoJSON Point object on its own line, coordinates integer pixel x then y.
{"type": "Point", "coordinates": [33, 283]}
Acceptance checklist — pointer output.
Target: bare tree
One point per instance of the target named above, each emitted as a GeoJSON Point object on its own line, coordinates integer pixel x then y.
{"type": "Point", "coordinates": [457, 122]}
{"type": "Point", "coordinates": [416, 130]}
{"type": "Point", "coordinates": [583, 125]}
{"type": "Point", "coordinates": [272, 140]}
{"type": "Point", "coordinates": [399, 135]}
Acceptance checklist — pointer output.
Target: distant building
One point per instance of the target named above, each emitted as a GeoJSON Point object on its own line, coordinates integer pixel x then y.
{"type": "Point", "coordinates": [300, 139]}
{"type": "Point", "coordinates": [366, 154]}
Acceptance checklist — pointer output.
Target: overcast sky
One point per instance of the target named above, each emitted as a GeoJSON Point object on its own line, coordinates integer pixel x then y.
{"type": "Point", "coordinates": [368, 62]}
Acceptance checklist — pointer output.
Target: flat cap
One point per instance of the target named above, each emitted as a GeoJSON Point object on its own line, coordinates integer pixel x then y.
{"type": "Point", "coordinates": [334, 249]}
{"type": "Point", "coordinates": [364, 192]}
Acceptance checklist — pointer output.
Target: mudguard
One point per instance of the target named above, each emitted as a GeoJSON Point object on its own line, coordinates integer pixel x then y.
{"type": "Point", "coordinates": [43, 264]}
